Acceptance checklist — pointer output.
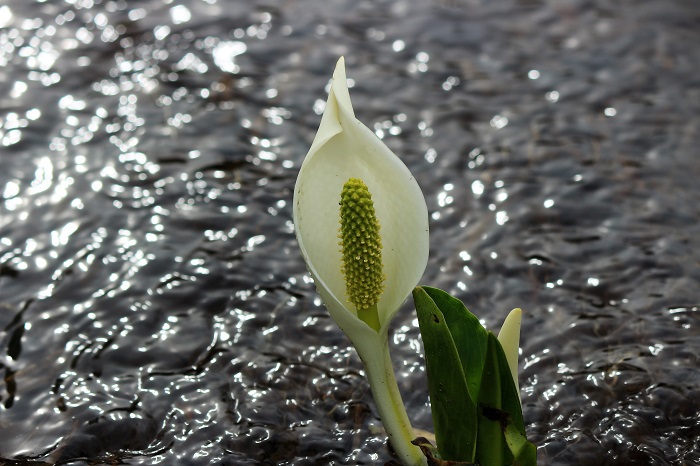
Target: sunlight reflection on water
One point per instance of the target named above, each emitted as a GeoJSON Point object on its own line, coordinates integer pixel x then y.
{"type": "Point", "coordinates": [150, 285]}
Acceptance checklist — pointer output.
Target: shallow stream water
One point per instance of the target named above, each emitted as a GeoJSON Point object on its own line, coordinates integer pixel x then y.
{"type": "Point", "coordinates": [154, 306]}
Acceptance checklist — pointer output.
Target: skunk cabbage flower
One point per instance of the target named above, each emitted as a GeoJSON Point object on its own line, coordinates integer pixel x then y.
{"type": "Point", "coordinates": [346, 158]}
{"type": "Point", "coordinates": [344, 148]}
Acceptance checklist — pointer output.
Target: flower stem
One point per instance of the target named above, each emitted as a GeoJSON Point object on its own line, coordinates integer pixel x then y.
{"type": "Point", "coordinates": [385, 390]}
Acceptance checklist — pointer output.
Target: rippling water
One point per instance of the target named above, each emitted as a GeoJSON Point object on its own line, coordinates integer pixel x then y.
{"type": "Point", "coordinates": [154, 308]}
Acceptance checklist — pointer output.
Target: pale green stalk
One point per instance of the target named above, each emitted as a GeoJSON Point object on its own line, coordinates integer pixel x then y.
{"type": "Point", "coordinates": [379, 371]}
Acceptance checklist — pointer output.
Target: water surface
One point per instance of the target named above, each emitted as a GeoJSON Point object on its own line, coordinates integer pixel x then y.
{"type": "Point", "coordinates": [154, 307]}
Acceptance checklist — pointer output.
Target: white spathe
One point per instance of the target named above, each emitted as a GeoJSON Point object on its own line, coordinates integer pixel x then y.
{"type": "Point", "coordinates": [345, 148]}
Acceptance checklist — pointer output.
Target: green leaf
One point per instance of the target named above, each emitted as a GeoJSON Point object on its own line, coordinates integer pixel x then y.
{"type": "Point", "coordinates": [453, 409]}
{"type": "Point", "coordinates": [510, 399]}
{"type": "Point", "coordinates": [491, 448]}
{"type": "Point", "coordinates": [454, 339]}
{"type": "Point", "coordinates": [525, 453]}
{"type": "Point", "coordinates": [468, 334]}
{"type": "Point", "coordinates": [501, 438]}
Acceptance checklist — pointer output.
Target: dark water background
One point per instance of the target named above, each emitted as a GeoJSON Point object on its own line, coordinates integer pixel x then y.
{"type": "Point", "coordinates": [154, 307]}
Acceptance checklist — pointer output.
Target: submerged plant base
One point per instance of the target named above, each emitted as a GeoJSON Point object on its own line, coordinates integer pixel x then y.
{"type": "Point", "coordinates": [433, 456]}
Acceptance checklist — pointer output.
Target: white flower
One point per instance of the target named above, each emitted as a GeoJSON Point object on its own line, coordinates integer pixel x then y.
{"type": "Point", "coordinates": [344, 148]}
